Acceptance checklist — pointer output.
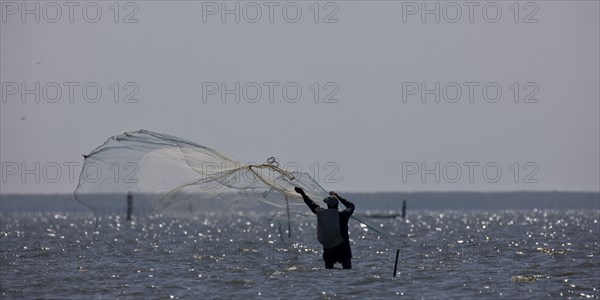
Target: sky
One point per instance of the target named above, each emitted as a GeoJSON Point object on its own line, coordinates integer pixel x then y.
{"type": "Point", "coordinates": [366, 96]}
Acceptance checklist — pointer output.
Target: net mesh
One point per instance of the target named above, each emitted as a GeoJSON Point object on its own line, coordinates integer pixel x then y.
{"type": "Point", "coordinates": [170, 174]}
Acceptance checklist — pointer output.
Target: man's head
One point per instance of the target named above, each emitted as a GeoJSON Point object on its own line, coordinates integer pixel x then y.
{"type": "Point", "coordinates": [332, 202]}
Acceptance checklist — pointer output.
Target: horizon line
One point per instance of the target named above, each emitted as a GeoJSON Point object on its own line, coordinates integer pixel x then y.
{"type": "Point", "coordinates": [372, 192]}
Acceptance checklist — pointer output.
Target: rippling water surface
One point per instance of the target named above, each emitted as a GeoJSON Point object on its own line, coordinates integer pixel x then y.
{"type": "Point", "coordinates": [510, 254]}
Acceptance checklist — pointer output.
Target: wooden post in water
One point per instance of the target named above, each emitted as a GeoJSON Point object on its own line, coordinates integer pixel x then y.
{"type": "Point", "coordinates": [396, 263]}
{"type": "Point", "coordinates": [403, 209]}
{"type": "Point", "coordinates": [287, 204]}
{"type": "Point", "coordinates": [129, 205]}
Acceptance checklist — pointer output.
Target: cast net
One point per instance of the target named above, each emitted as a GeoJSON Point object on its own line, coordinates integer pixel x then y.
{"type": "Point", "coordinates": [167, 174]}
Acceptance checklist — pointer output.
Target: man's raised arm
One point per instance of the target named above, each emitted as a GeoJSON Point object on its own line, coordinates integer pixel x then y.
{"type": "Point", "coordinates": [311, 204]}
{"type": "Point", "coordinates": [349, 205]}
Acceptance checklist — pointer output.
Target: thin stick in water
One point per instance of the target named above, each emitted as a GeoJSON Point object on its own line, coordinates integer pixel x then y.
{"type": "Point", "coordinates": [288, 215]}
{"type": "Point", "coordinates": [396, 263]}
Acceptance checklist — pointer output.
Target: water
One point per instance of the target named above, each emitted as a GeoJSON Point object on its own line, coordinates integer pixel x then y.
{"type": "Point", "coordinates": [443, 254]}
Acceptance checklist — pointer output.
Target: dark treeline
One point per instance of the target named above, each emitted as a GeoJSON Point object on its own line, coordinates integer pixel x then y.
{"type": "Point", "coordinates": [364, 201]}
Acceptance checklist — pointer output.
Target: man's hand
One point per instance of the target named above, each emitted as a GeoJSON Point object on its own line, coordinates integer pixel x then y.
{"type": "Point", "coordinates": [299, 190]}
{"type": "Point", "coordinates": [332, 193]}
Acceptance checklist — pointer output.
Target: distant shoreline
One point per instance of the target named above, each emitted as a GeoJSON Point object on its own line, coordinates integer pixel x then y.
{"type": "Point", "coordinates": [384, 201]}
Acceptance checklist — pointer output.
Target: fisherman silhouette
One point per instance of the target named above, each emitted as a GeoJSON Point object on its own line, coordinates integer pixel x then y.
{"type": "Point", "coordinates": [332, 228]}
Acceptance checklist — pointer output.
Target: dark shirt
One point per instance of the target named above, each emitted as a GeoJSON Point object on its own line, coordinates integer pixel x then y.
{"type": "Point", "coordinates": [344, 214]}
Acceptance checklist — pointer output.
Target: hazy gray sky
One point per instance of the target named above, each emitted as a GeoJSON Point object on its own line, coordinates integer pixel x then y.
{"type": "Point", "coordinates": [375, 124]}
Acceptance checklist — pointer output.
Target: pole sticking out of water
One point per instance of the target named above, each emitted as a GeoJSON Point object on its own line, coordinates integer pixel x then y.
{"type": "Point", "coordinates": [287, 204]}
{"type": "Point", "coordinates": [403, 209]}
{"type": "Point", "coordinates": [396, 263]}
{"type": "Point", "coordinates": [129, 205]}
